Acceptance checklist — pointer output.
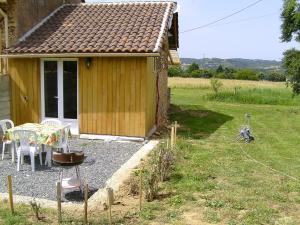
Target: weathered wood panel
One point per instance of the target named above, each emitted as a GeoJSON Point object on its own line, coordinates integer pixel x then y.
{"type": "Point", "coordinates": [4, 97]}
{"type": "Point", "coordinates": [25, 90]}
{"type": "Point", "coordinates": [113, 96]}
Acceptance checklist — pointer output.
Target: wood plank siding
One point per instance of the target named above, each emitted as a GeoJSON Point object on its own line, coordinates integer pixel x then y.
{"type": "Point", "coordinates": [25, 90]}
{"type": "Point", "coordinates": [117, 96]}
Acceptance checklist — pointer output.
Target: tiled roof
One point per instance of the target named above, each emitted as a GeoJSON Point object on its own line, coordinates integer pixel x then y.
{"type": "Point", "coordinates": [100, 28]}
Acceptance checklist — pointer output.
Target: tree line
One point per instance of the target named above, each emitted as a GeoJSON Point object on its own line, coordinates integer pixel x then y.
{"type": "Point", "coordinates": [223, 72]}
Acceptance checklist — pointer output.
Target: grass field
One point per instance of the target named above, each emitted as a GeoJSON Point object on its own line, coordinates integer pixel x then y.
{"type": "Point", "coordinates": [217, 179]}
{"type": "Point", "coordinates": [221, 181]}
{"type": "Point", "coordinates": [178, 82]}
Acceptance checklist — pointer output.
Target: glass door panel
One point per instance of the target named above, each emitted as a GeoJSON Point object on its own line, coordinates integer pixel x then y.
{"type": "Point", "coordinates": [50, 89]}
{"type": "Point", "coordinates": [70, 89]}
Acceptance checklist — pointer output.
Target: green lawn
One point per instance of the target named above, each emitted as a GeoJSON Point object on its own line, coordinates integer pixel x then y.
{"type": "Point", "coordinates": [216, 179]}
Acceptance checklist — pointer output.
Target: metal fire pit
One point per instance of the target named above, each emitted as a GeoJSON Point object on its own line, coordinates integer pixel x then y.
{"type": "Point", "coordinates": [66, 160]}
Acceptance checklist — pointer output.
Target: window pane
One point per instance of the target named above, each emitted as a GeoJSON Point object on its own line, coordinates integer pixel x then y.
{"type": "Point", "coordinates": [70, 89]}
{"type": "Point", "coordinates": [50, 87]}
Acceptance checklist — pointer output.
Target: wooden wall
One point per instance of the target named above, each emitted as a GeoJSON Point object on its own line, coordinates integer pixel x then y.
{"type": "Point", "coordinates": [117, 96]}
{"type": "Point", "coordinates": [113, 97]}
{"type": "Point", "coordinates": [25, 90]}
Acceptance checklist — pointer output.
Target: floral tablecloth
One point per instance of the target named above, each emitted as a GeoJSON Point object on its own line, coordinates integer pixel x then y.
{"type": "Point", "coordinates": [46, 134]}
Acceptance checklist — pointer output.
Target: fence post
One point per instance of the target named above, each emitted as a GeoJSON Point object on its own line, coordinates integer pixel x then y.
{"type": "Point", "coordinates": [10, 193]}
{"type": "Point", "coordinates": [58, 197]}
{"type": "Point", "coordinates": [172, 137]}
{"type": "Point", "coordinates": [86, 191]}
{"type": "Point", "coordinates": [110, 201]}
{"type": "Point", "coordinates": [175, 133]}
{"type": "Point", "coordinates": [141, 189]}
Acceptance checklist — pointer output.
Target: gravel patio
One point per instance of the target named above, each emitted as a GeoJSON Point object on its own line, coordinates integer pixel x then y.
{"type": "Point", "coordinates": [103, 159]}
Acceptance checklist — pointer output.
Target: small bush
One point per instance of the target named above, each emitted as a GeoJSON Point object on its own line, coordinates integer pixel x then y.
{"type": "Point", "coordinates": [196, 73]}
{"type": "Point", "coordinates": [275, 76]}
{"type": "Point", "coordinates": [216, 84]}
{"type": "Point", "coordinates": [36, 209]}
{"type": "Point", "coordinates": [194, 66]}
{"type": "Point", "coordinates": [175, 71]}
{"type": "Point", "coordinates": [246, 74]}
{"type": "Point", "coordinates": [157, 169]}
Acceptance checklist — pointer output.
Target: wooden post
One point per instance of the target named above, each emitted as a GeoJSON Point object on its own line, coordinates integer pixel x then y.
{"type": "Point", "coordinates": [110, 201]}
{"type": "Point", "coordinates": [86, 192]}
{"type": "Point", "coordinates": [58, 196]}
{"type": "Point", "coordinates": [172, 137]}
{"type": "Point", "coordinates": [10, 193]}
{"type": "Point", "coordinates": [175, 132]}
{"type": "Point", "coordinates": [141, 189]}
{"type": "Point", "coordinates": [168, 143]}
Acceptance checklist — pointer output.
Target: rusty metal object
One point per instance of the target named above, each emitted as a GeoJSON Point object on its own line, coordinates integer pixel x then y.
{"type": "Point", "coordinates": [68, 159]}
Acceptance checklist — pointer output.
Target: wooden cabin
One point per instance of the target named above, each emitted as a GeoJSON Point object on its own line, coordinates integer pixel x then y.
{"type": "Point", "coordinates": [101, 67]}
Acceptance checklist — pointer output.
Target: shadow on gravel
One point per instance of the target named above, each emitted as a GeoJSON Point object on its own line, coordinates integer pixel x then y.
{"type": "Point", "coordinates": [197, 122]}
{"type": "Point", "coordinates": [78, 196]}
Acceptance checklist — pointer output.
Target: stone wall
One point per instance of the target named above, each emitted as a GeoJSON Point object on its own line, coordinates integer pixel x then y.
{"type": "Point", "coordinates": [10, 9]}
{"type": "Point", "coordinates": [4, 97]}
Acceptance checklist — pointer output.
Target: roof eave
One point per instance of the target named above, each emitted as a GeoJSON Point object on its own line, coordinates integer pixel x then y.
{"type": "Point", "coordinates": [78, 55]}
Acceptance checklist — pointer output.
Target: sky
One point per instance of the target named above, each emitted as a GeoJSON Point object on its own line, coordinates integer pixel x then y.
{"type": "Point", "coordinates": [253, 33]}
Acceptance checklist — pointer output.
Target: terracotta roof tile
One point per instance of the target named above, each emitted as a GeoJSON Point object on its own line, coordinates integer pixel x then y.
{"type": "Point", "coordinates": [99, 28]}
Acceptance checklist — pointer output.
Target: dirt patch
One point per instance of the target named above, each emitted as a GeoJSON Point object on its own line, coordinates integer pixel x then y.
{"type": "Point", "coordinates": [194, 218]}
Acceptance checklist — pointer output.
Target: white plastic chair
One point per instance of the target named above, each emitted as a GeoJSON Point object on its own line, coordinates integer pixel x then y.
{"type": "Point", "coordinates": [26, 144]}
{"type": "Point", "coordinates": [52, 122]}
{"type": "Point", "coordinates": [4, 127]}
{"type": "Point", "coordinates": [63, 143]}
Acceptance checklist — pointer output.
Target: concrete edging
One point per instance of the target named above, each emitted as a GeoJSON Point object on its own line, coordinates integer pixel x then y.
{"type": "Point", "coordinates": [121, 175]}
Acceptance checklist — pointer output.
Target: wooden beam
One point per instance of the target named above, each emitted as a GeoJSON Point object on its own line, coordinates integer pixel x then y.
{"type": "Point", "coordinates": [5, 27]}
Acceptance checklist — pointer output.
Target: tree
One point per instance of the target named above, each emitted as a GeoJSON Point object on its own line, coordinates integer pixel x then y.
{"type": "Point", "coordinates": [175, 71]}
{"type": "Point", "coordinates": [220, 69]}
{"type": "Point", "coordinates": [275, 76]}
{"type": "Point", "coordinates": [194, 66]}
{"type": "Point", "coordinates": [290, 29]}
{"type": "Point", "coordinates": [246, 74]}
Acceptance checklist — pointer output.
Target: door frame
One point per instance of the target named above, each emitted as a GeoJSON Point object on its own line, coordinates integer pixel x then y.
{"type": "Point", "coordinates": [74, 122]}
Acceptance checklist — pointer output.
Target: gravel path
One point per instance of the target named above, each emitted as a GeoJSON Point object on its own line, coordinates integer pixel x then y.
{"type": "Point", "coordinates": [103, 159]}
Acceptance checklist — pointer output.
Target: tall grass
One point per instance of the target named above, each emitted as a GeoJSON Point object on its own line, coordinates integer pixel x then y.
{"type": "Point", "coordinates": [177, 82]}
{"type": "Point", "coordinates": [265, 96]}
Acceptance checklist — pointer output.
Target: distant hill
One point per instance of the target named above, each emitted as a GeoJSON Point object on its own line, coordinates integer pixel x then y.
{"type": "Point", "coordinates": [258, 64]}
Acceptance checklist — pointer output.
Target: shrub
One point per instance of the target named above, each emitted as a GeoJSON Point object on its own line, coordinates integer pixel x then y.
{"type": "Point", "coordinates": [196, 73]}
{"type": "Point", "coordinates": [246, 74]}
{"type": "Point", "coordinates": [275, 76]}
{"type": "Point", "coordinates": [207, 73]}
{"type": "Point", "coordinates": [216, 84]}
{"type": "Point", "coordinates": [220, 75]}
{"type": "Point", "coordinates": [175, 71]}
{"type": "Point", "coordinates": [229, 73]}
{"type": "Point", "coordinates": [157, 169]}
{"type": "Point", "coordinates": [194, 66]}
